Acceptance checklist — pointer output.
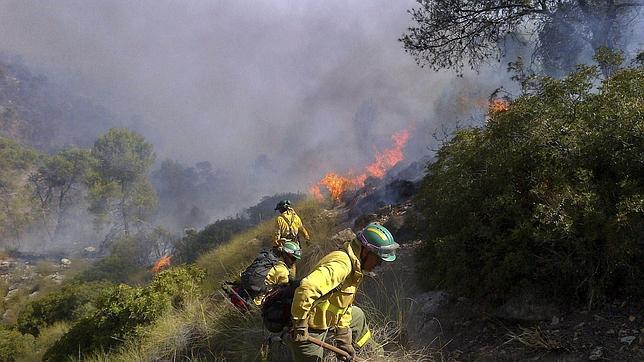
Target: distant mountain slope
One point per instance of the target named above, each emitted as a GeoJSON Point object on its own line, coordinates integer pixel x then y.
{"type": "Point", "coordinates": [44, 115]}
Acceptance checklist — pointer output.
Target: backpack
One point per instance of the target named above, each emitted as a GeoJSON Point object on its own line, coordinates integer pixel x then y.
{"type": "Point", "coordinates": [276, 307]}
{"type": "Point", "coordinates": [253, 278]}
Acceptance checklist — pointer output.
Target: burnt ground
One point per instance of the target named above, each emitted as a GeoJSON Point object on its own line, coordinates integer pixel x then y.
{"type": "Point", "coordinates": [460, 329]}
{"type": "Point", "coordinates": [612, 332]}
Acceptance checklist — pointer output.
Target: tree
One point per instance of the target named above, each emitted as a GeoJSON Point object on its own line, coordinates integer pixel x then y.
{"type": "Point", "coordinates": [57, 185]}
{"type": "Point", "coordinates": [546, 199]}
{"type": "Point", "coordinates": [450, 33]}
{"type": "Point", "coordinates": [119, 185]}
{"type": "Point", "coordinates": [15, 204]}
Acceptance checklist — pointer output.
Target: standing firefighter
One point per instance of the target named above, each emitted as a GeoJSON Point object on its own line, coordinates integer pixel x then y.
{"type": "Point", "coordinates": [288, 225]}
{"type": "Point", "coordinates": [323, 303]}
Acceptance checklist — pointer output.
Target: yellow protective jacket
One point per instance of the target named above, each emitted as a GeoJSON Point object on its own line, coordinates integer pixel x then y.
{"type": "Point", "coordinates": [288, 225]}
{"type": "Point", "coordinates": [338, 274]}
{"type": "Point", "coordinates": [278, 275]}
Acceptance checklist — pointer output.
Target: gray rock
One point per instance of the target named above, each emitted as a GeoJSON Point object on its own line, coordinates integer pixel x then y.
{"type": "Point", "coordinates": [596, 353]}
{"type": "Point", "coordinates": [57, 278]}
{"type": "Point", "coordinates": [431, 328]}
{"type": "Point", "coordinates": [628, 339]}
{"type": "Point", "coordinates": [34, 294]}
{"type": "Point", "coordinates": [65, 261]}
{"type": "Point", "coordinates": [430, 302]}
{"type": "Point", "coordinates": [90, 249]}
{"type": "Point", "coordinates": [526, 308]}
{"type": "Point", "coordinates": [343, 236]}
{"type": "Point", "coordinates": [10, 294]}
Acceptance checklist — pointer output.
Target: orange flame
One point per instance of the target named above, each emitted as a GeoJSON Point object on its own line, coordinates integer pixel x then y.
{"type": "Point", "coordinates": [337, 184]}
{"type": "Point", "coordinates": [498, 105]}
{"type": "Point", "coordinates": [161, 264]}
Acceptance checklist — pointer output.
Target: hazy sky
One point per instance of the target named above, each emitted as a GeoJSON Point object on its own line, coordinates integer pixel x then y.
{"type": "Point", "coordinates": [274, 92]}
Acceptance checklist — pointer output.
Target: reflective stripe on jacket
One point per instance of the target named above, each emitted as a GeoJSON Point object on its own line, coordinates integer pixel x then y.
{"type": "Point", "coordinates": [288, 225]}
{"type": "Point", "coordinates": [338, 274]}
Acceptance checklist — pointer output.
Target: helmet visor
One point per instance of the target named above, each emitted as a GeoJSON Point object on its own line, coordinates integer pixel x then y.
{"type": "Point", "coordinates": [386, 253]}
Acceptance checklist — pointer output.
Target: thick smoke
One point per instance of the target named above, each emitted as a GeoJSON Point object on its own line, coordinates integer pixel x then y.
{"type": "Point", "coordinates": [273, 93]}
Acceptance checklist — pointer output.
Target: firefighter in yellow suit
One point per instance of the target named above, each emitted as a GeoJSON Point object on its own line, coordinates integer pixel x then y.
{"type": "Point", "coordinates": [288, 225]}
{"type": "Point", "coordinates": [282, 272]}
{"type": "Point", "coordinates": [323, 303]}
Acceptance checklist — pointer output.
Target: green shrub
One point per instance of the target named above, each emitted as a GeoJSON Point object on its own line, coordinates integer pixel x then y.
{"type": "Point", "coordinates": [123, 311]}
{"type": "Point", "coordinates": [13, 344]}
{"type": "Point", "coordinates": [192, 245]}
{"type": "Point", "coordinates": [546, 199]}
{"type": "Point", "coordinates": [47, 337]}
{"type": "Point", "coordinates": [119, 267]}
{"type": "Point", "coordinates": [71, 302]}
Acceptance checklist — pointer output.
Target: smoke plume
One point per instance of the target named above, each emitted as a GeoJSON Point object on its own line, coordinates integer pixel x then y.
{"type": "Point", "coordinates": [275, 94]}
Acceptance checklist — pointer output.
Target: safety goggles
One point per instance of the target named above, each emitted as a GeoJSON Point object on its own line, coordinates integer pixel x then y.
{"type": "Point", "coordinates": [386, 253]}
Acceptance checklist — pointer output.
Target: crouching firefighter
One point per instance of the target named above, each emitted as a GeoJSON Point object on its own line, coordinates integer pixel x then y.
{"type": "Point", "coordinates": [271, 268]}
{"type": "Point", "coordinates": [323, 303]}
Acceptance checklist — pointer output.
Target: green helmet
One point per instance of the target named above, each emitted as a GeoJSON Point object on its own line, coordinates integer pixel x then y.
{"type": "Point", "coordinates": [377, 239]}
{"type": "Point", "coordinates": [292, 248]}
{"type": "Point", "coordinates": [283, 205]}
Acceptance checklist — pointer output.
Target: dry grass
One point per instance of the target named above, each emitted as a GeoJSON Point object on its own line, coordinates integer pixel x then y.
{"type": "Point", "coordinates": [389, 313]}
{"type": "Point", "coordinates": [536, 338]}
{"type": "Point", "coordinates": [47, 337]}
{"type": "Point", "coordinates": [225, 262]}
{"type": "Point", "coordinates": [210, 328]}
{"type": "Point", "coordinates": [46, 267]}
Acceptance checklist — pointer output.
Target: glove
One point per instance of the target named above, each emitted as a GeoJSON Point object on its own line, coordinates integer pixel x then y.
{"type": "Point", "coordinates": [344, 342]}
{"type": "Point", "coordinates": [300, 332]}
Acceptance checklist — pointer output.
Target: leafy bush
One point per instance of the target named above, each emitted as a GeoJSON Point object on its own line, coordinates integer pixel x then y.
{"type": "Point", "coordinates": [47, 337]}
{"type": "Point", "coordinates": [123, 310]}
{"type": "Point", "coordinates": [217, 233]}
{"type": "Point", "coordinates": [71, 302]}
{"type": "Point", "coordinates": [13, 344]}
{"type": "Point", "coordinates": [120, 266]}
{"type": "Point", "coordinates": [547, 198]}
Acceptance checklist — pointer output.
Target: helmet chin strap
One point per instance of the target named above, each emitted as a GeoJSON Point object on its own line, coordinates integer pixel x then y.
{"type": "Point", "coordinates": [289, 261]}
{"type": "Point", "coordinates": [363, 255]}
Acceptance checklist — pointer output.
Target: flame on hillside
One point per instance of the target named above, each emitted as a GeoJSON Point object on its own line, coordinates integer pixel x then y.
{"type": "Point", "coordinates": [498, 105]}
{"type": "Point", "coordinates": [336, 184]}
{"type": "Point", "coordinates": [161, 264]}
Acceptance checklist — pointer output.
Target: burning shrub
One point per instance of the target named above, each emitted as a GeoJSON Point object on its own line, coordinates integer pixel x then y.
{"type": "Point", "coordinates": [545, 199]}
{"type": "Point", "coordinates": [123, 311]}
